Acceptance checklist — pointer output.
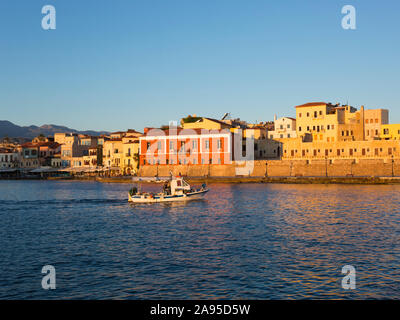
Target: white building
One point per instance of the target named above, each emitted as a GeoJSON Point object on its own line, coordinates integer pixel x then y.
{"type": "Point", "coordinates": [284, 127]}
{"type": "Point", "coordinates": [8, 159]}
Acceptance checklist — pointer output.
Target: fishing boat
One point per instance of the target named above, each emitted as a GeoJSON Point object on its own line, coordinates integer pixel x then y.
{"type": "Point", "coordinates": [174, 189]}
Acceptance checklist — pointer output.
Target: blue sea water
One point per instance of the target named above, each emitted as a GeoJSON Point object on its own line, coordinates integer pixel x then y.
{"type": "Point", "coordinates": [244, 241]}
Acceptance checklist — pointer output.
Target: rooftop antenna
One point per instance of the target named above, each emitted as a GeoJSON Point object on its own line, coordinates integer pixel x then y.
{"type": "Point", "coordinates": [226, 115]}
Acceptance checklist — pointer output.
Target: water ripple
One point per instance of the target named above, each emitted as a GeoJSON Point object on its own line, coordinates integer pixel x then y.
{"type": "Point", "coordinates": [255, 241]}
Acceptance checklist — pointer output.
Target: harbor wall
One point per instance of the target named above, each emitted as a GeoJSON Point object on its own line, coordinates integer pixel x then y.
{"type": "Point", "coordinates": [283, 168]}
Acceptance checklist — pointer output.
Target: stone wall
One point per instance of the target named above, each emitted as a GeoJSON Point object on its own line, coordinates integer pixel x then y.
{"type": "Point", "coordinates": [283, 168]}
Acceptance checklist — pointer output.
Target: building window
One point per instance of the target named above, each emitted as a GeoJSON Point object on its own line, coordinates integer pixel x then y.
{"type": "Point", "coordinates": [366, 120]}
{"type": "Point", "coordinates": [207, 144]}
{"type": "Point", "coordinates": [300, 115]}
{"type": "Point", "coordinates": [299, 128]}
{"type": "Point", "coordinates": [219, 144]}
{"type": "Point", "coordinates": [159, 145]}
{"type": "Point", "coordinates": [194, 144]}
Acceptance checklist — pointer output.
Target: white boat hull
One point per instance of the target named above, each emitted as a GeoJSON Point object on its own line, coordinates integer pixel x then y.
{"type": "Point", "coordinates": [168, 198]}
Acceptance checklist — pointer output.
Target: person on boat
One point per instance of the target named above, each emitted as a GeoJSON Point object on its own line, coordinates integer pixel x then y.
{"type": "Point", "coordinates": [167, 188]}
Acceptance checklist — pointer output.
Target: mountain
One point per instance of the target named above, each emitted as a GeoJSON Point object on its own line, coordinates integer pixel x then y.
{"type": "Point", "coordinates": [12, 130]}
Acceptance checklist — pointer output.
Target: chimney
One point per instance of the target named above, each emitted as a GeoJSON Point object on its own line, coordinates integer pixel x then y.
{"type": "Point", "coordinates": [274, 117]}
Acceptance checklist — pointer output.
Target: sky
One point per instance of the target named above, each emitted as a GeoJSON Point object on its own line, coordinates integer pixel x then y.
{"type": "Point", "coordinates": [114, 65]}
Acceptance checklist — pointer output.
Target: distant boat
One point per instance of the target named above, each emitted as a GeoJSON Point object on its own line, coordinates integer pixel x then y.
{"type": "Point", "coordinates": [174, 189]}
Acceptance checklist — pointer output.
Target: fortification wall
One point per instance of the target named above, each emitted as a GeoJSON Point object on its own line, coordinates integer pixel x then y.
{"type": "Point", "coordinates": [283, 168]}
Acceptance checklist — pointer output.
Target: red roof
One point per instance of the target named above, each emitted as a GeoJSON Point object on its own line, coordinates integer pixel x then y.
{"type": "Point", "coordinates": [180, 131]}
{"type": "Point", "coordinates": [312, 104]}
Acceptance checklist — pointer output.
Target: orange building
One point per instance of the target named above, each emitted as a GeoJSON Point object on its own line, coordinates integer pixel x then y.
{"type": "Point", "coordinates": [186, 146]}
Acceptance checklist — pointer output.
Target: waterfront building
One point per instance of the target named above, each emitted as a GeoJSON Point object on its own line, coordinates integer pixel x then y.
{"type": "Point", "coordinates": [374, 119]}
{"type": "Point", "coordinates": [296, 149]}
{"type": "Point", "coordinates": [112, 155]}
{"type": "Point", "coordinates": [327, 131]}
{"type": "Point", "coordinates": [9, 158]}
{"type": "Point", "coordinates": [28, 156]}
{"type": "Point", "coordinates": [75, 146]}
{"type": "Point", "coordinates": [285, 127]}
{"type": "Point", "coordinates": [56, 161]}
{"type": "Point", "coordinates": [47, 150]}
{"type": "Point", "coordinates": [188, 146]}
{"type": "Point", "coordinates": [195, 122]}
{"type": "Point", "coordinates": [390, 132]}
{"type": "Point", "coordinates": [320, 121]}
{"type": "Point", "coordinates": [264, 147]}
{"type": "Point", "coordinates": [130, 154]}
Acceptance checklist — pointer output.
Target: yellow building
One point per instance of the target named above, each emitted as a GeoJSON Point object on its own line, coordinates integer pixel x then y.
{"type": "Point", "coordinates": [130, 155]}
{"type": "Point", "coordinates": [330, 123]}
{"type": "Point", "coordinates": [113, 156]}
{"type": "Point", "coordinates": [296, 149]}
{"type": "Point", "coordinates": [390, 132]}
{"type": "Point", "coordinates": [373, 121]}
{"type": "Point", "coordinates": [194, 122]}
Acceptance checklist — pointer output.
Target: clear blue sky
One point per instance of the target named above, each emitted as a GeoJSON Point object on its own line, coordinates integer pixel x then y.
{"type": "Point", "coordinates": [113, 65]}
